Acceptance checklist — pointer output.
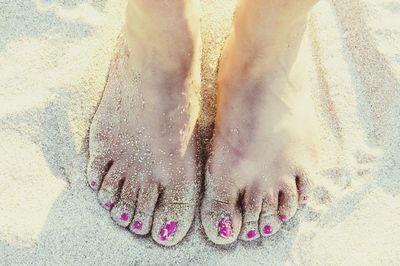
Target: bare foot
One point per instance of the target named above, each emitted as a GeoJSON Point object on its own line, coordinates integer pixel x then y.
{"type": "Point", "coordinates": [142, 148]}
{"type": "Point", "coordinates": [265, 143]}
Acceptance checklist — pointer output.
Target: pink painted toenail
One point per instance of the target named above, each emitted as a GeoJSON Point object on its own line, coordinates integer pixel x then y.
{"type": "Point", "coordinates": [225, 227]}
{"type": "Point", "coordinates": [93, 184]}
{"type": "Point", "coordinates": [267, 229]}
{"type": "Point", "coordinates": [305, 197]}
{"type": "Point", "coordinates": [137, 225]}
{"type": "Point", "coordinates": [282, 217]}
{"type": "Point", "coordinates": [251, 234]}
{"type": "Point", "coordinates": [108, 205]}
{"type": "Point", "coordinates": [168, 230]}
{"type": "Point", "coordinates": [124, 216]}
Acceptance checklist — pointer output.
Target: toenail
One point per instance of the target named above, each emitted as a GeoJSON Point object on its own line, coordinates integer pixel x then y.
{"type": "Point", "coordinates": [168, 230]}
{"type": "Point", "coordinates": [267, 229]}
{"type": "Point", "coordinates": [108, 205]}
{"type": "Point", "coordinates": [251, 234]}
{"type": "Point", "coordinates": [305, 197]}
{"type": "Point", "coordinates": [225, 227]}
{"type": "Point", "coordinates": [137, 225]}
{"type": "Point", "coordinates": [282, 217]}
{"type": "Point", "coordinates": [124, 217]}
{"type": "Point", "coordinates": [93, 184]}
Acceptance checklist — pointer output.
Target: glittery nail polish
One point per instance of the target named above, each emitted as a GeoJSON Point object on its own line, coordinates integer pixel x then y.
{"type": "Point", "coordinates": [168, 230]}
{"type": "Point", "coordinates": [225, 227]}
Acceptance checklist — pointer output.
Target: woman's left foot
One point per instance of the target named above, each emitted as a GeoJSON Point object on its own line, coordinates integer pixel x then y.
{"type": "Point", "coordinates": [265, 144]}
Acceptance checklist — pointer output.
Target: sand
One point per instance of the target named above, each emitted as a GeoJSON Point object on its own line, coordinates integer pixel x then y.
{"type": "Point", "coordinates": [54, 57]}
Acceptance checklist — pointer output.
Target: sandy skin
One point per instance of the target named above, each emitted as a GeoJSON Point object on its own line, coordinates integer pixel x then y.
{"type": "Point", "coordinates": [142, 150]}
{"type": "Point", "coordinates": [265, 144]}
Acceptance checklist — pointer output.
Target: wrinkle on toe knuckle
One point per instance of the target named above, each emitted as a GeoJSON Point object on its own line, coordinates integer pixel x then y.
{"type": "Point", "coordinates": [182, 203]}
{"type": "Point", "coordinates": [267, 212]}
{"type": "Point", "coordinates": [221, 202]}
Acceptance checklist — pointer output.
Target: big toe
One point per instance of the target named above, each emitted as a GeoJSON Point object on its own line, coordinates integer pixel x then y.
{"type": "Point", "coordinates": [173, 215]}
{"type": "Point", "coordinates": [220, 214]}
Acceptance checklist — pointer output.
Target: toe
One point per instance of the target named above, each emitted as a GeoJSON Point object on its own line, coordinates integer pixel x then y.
{"type": "Point", "coordinates": [123, 211]}
{"type": "Point", "coordinates": [174, 214]}
{"type": "Point", "coordinates": [109, 191]}
{"type": "Point", "coordinates": [146, 202]}
{"type": "Point", "coordinates": [220, 213]}
{"type": "Point", "coordinates": [269, 222]}
{"type": "Point", "coordinates": [221, 220]}
{"type": "Point", "coordinates": [288, 200]}
{"type": "Point", "coordinates": [96, 169]}
{"type": "Point", "coordinates": [252, 203]}
{"type": "Point", "coordinates": [303, 187]}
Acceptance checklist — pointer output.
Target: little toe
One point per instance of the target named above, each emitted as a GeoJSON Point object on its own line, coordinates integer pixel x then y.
{"type": "Point", "coordinates": [174, 214]}
{"type": "Point", "coordinates": [252, 203]}
{"type": "Point", "coordinates": [303, 187]}
{"type": "Point", "coordinates": [288, 201]}
{"type": "Point", "coordinates": [146, 203]}
{"type": "Point", "coordinates": [108, 194]}
{"type": "Point", "coordinates": [123, 211]}
{"type": "Point", "coordinates": [269, 222]}
{"type": "Point", "coordinates": [96, 169]}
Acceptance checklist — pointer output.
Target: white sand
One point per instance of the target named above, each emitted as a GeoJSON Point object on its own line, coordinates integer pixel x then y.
{"type": "Point", "coordinates": [54, 56]}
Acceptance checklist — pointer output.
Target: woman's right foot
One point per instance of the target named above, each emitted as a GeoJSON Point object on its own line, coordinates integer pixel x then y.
{"type": "Point", "coordinates": [142, 147]}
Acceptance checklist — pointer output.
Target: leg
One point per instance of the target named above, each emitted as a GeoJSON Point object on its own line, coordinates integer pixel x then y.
{"type": "Point", "coordinates": [142, 149]}
{"type": "Point", "coordinates": [265, 138]}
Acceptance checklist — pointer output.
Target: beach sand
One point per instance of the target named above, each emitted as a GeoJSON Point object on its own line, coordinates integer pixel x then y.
{"type": "Point", "coordinates": [54, 57]}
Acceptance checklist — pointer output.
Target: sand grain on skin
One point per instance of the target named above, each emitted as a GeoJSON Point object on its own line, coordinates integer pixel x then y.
{"type": "Point", "coordinates": [54, 57]}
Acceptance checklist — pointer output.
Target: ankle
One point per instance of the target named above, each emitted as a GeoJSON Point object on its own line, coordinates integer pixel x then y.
{"type": "Point", "coordinates": [162, 54]}
{"type": "Point", "coordinates": [163, 33]}
{"type": "Point", "coordinates": [257, 53]}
